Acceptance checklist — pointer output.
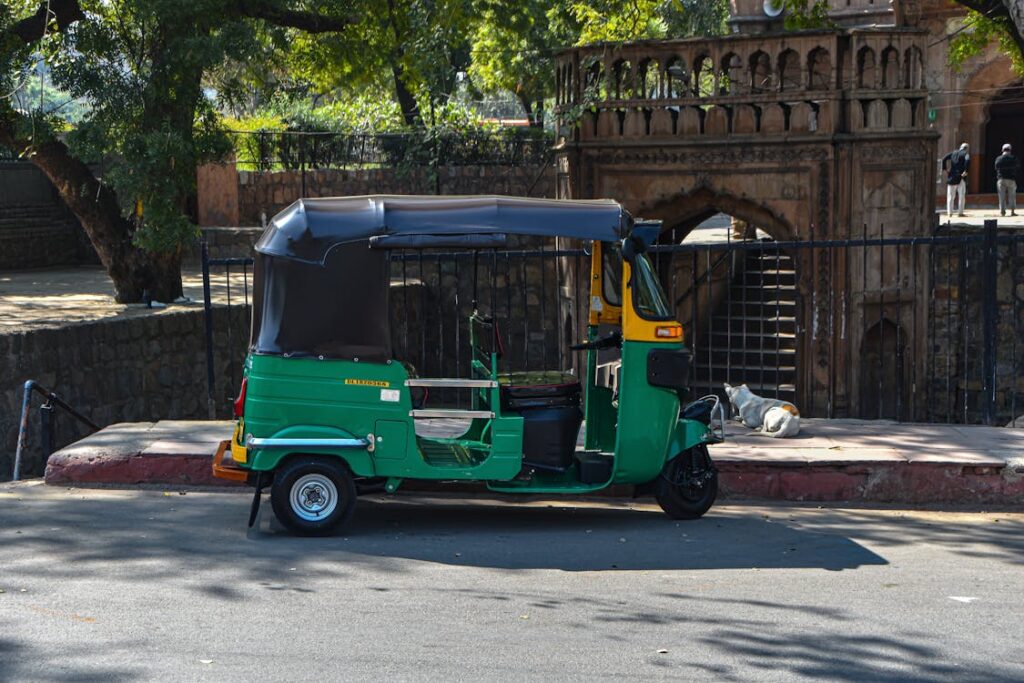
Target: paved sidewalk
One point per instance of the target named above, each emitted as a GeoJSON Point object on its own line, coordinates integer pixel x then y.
{"type": "Point", "coordinates": [976, 218]}
{"type": "Point", "coordinates": [830, 460]}
{"type": "Point", "coordinates": [55, 297]}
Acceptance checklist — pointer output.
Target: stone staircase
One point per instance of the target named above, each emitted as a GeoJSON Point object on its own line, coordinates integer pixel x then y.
{"type": "Point", "coordinates": [753, 332]}
{"type": "Point", "coordinates": [40, 235]}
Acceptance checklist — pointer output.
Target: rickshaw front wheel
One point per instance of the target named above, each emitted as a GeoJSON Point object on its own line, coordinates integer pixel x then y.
{"type": "Point", "coordinates": [688, 485]}
{"type": "Point", "coordinates": [313, 496]}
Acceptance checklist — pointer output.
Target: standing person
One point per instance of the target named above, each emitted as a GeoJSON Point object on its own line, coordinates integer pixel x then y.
{"type": "Point", "coordinates": [1007, 168]}
{"type": "Point", "coordinates": [956, 179]}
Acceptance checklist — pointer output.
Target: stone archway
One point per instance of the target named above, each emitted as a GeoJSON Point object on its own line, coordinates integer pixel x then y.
{"type": "Point", "coordinates": [1005, 124]}
{"type": "Point", "coordinates": [991, 80]}
{"type": "Point", "coordinates": [685, 211]}
{"type": "Point", "coordinates": [716, 289]}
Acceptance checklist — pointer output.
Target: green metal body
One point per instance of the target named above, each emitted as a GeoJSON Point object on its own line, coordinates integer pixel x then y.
{"type": "Point", "coordinates": [307, 398]}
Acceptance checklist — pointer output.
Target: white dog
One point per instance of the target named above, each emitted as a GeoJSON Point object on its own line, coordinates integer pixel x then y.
{"type": "Point", "coordinates": [770, 416]}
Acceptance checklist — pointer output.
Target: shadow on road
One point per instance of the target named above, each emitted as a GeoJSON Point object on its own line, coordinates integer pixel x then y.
{"type": "Point", "coordinates": [209, 529]}
{"type": "Point", "coordinates": [197, 545]}
{"type": "Point", "coordinates": [510, 536]}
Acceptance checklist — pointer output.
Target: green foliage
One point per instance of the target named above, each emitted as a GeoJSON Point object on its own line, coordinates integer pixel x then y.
{"type": "Point", "coordinates": [807, 14]}
{"type": "Point", "coordinates": [513, 43]}
{"type": "Point", "coordinates": [140, 64]}
{"type": "Point", "coordinates": [617, 21]}
{"type": "Point", "coordinates": [511, 47]}
{"type": "Point", "coordinates": [421, 46]}
{"type": "Point", "coordinates": [980, 32]}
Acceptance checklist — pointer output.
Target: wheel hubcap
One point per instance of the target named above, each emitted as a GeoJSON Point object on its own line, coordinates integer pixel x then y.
{"type": "Point", "coordinates": [313, 497]}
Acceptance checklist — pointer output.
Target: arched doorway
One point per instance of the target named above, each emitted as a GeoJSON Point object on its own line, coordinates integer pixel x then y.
{"type": "Point", "coordinates": [884, 388]}
{"type": "Point", "coordinates": [739, 306]}
{"type": "Point", "coordinates": [1005, 125]}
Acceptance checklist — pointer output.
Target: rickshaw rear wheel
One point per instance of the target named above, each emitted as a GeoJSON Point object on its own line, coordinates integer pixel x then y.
{"type": "Point", "coordinates": [313, 496]}
{"type": "Point", "coordinates": [688, 484]}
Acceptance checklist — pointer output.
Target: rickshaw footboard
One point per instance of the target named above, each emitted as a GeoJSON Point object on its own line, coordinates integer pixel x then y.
{"type": "Point", "coordinates": [229, 471]}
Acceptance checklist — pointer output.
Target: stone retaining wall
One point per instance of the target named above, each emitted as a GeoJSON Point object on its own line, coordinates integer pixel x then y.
{"type": "Point", "coordinates": [115, 370]}
{"type": "Point", "coordinates": [263, 194]}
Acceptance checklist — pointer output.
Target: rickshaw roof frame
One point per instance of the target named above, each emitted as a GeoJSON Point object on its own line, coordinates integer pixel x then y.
{"type": "Point", "coordinates": [308, 229]}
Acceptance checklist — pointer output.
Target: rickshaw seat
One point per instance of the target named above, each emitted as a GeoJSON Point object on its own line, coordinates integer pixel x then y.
{"type": "Point", "coordinates": [549, 403]}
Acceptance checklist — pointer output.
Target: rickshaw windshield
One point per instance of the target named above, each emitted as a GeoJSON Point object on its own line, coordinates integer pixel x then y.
{"type": "Point", "coordinates": [611, 273]}
{"type": "Point", "coordinates": [649, 298]}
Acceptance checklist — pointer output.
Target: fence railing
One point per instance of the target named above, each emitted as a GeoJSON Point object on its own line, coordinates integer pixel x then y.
{"type": "Point", "coordinates": [298, 150]}
{"type": "Point", "coordinates": [906, 328]}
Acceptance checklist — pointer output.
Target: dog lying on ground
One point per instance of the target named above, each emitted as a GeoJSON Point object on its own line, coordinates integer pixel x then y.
{"type": "Point", "coordinates": [770, 416]}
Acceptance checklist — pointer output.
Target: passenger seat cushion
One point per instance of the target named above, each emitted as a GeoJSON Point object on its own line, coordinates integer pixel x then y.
{"type": "Point", "coordinates": [522, 390]}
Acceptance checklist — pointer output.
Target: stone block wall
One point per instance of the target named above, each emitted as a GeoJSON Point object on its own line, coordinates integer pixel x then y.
{"type": "Point", "coordinates": [955, 353]}
{"type": "Point", "coordinates": [116, 370]}
{"type": "Point", "coordinates": [263, 194]}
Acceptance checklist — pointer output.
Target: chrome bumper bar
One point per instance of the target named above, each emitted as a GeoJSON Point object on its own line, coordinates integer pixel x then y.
{"type": "Point", "coordinates": [253, 442]}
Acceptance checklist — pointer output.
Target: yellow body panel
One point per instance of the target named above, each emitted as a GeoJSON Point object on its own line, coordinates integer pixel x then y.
{"type": "Point", "coordinates": [601, 312]}
{"type": "Point", "coordinates": [636, 328]}
{"type": "Point", "coordinates": [239, 453]}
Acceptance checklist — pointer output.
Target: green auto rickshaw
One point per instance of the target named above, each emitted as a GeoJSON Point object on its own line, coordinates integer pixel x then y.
{"type": "Point", "coordinates": [324, 407]}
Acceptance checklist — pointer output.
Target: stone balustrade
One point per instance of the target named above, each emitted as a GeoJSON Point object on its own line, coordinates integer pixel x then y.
{"type": "Point", "coordinates": [802, 83]}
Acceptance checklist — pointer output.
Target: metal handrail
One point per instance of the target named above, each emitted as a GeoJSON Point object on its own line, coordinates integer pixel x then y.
{"type": "Point", "coordinates": [52, 399]}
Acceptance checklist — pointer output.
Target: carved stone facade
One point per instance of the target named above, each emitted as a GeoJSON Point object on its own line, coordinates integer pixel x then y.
{"type": "Point", "coordinates": [798, 133]}
{"type": "Point", "coordinates": [809, 136]}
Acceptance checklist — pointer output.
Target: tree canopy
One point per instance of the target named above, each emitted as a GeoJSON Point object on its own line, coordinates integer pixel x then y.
{"type": "Point", "coordinates": [141, 66]}
{"type": "Point", "coordinates": [152, 80]}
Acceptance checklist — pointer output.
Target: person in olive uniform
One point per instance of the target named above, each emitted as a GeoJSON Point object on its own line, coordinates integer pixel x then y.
{"type": "Point", "coordinates": [1007, 168]}
{"type": "Point", "coordinates": [956, 179]}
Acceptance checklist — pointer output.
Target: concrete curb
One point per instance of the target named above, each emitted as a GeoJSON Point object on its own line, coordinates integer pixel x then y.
{"type": "Point", "coordinates": [181, 453]}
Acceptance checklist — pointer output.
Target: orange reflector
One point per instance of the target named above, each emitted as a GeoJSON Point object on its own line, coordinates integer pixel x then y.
{"type": "Point", "coordinates": [669, 331]}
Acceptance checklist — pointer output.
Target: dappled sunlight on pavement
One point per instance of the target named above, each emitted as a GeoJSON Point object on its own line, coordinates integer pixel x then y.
{"type": "Point", "coordinates": [53, 297]}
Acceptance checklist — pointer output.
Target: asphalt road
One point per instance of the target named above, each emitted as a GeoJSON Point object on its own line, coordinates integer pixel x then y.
{"type": "Point", "coordinates": [151, 585]}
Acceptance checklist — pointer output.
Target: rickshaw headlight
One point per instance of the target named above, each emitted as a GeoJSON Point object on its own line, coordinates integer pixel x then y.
{"type": "Point", "coordinates": [669, 331]}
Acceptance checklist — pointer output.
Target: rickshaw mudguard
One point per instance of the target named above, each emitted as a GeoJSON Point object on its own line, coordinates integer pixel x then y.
{"type": "Point", "coordinates": [686, 435]}
{"type": "Point", "coordinates": [359, 460]}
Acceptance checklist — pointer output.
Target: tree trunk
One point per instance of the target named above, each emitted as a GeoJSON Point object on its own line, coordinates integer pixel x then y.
{"type": "Point", "coordinates": [406, 100]}
{"type": "Point", "coordinates": [131, 269]}
{"type": "Point", "coordinates": [535, 117]}
{"type": "Point", "coordinates": [1015, 11]}
{"type": "Point", "coordinates": [527, 106]}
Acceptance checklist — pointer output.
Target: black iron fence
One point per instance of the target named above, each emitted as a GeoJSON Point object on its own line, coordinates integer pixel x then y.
{"type": "Point", "coordinates": [912, 329]}
{"type": "Point", "coordinates": [299, 150]}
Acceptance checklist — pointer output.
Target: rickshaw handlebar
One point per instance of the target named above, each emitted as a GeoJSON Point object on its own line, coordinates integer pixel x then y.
{"type": "Point", "coordinates": [613, 340]}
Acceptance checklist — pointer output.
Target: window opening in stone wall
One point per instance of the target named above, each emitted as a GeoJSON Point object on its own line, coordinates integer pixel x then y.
{"type": "Point", "coordinates": [676, 78]}
{"type": "Point", "coordinates": [760, 72]}
{"type": "Point", "coordinates": [890, 68]}
{"type": "Point", "coordinates": [650, 74]}
{"type": "Point", "coordinates": [789, 70]}
{"type": "Point", "coordinates": [913, 66]}
{"type": "Point", "coordinates": [704, 76]}
{"type": "Point", "coordinates": [595, 86]}
{"type": "Point", "coordinates": [819, 67]}
{"type": "Point", "coordinates": [623, 74]}
{"type": "Point", "coordinates": [866, 77]}
{"type": "Point", "coordinates": [729, 79]}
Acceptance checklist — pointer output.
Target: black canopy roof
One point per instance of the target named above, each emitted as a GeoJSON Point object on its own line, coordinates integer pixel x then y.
{"type": "Point", "coordinates": [308, 229]}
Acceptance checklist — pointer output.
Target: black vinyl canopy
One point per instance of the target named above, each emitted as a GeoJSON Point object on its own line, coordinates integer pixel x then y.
{"type": "Point", "coordinates": [308, 229]}
{"type": "Point", "coordinates": [321, 278]}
